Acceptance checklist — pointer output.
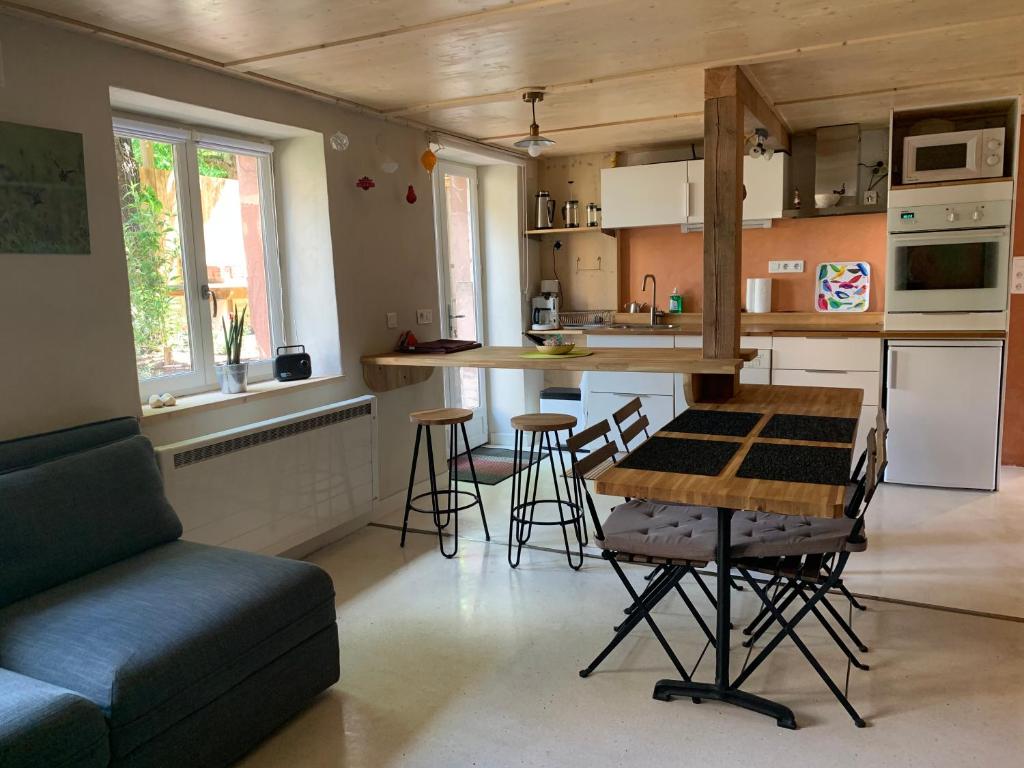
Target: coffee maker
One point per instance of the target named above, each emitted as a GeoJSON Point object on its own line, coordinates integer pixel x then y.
{"type": "Point", "coordinates": [544, 308]}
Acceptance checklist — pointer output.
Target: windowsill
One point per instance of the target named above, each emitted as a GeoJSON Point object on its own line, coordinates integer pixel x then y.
{"type": "Point", "coordinates": [208, 401]}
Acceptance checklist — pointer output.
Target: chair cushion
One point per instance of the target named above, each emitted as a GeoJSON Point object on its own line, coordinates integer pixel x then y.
{"type": "Point", "coordinates": [762, 534]}
{"type": "Point", "coordinates": [43, 725]}
{"type": "Point", "coordinates": [154, 638]}
{"type": "Point", "coordinates": [670, 531]}
{"type": "Point", "coordinates": [67, 517]}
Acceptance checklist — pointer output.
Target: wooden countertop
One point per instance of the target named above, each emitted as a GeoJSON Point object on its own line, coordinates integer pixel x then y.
{"type": "Point", "coordinates": [609, 359]}
{"type": "Point", "coordinates": [728, 490]}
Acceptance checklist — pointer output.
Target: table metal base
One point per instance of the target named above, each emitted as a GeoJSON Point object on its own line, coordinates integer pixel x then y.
{"type": "Point", "coordinates": [721, 690]}
{"type": "Point", "coordinates": [666, 690]}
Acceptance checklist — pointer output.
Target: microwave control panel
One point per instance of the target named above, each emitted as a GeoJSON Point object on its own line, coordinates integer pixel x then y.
{"type": "Point", "coordinates": [929, 218]}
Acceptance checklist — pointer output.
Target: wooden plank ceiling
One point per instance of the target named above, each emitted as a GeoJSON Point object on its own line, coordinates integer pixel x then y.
{"type": "Point", "coordinates": [618, 74]}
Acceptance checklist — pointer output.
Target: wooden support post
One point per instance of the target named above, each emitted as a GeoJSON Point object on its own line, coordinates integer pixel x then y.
{"type": "Point", "coordinates": [728, 99]}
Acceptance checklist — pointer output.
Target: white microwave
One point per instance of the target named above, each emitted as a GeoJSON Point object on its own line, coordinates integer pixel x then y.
{"type": "Point", "coordinates": [954, 156]}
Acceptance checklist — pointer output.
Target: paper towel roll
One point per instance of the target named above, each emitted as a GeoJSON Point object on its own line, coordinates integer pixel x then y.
{"type": "Point", "coordinates": [759, 294]}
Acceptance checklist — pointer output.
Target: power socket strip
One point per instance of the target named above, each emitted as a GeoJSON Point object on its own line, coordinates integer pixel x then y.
{"type": "Point", "coordinates": [785, 267]}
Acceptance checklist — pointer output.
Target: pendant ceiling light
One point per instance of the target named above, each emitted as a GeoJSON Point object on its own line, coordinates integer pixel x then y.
{"type": "Point", "coordinates": [534, 143]}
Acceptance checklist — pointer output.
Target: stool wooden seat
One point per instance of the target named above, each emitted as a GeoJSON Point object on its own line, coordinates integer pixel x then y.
{"type": "Point", "coordinates": [543, 422]}
{"type": "Point", "coordinates": [437, 417]}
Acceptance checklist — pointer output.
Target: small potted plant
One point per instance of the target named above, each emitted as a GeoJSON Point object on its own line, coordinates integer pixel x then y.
{"type": "Point", "coordinates": [233, 375]}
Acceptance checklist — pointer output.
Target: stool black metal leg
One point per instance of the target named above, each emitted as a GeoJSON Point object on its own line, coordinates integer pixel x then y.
{"type": "Point", "coordinates": [412, 480]}
{"type": "Point", "coordinates": [574, 521]}
{"type": "Point", "coordinates": [434, 494]}
{"type": "Point", "coordinates": [476, 485]}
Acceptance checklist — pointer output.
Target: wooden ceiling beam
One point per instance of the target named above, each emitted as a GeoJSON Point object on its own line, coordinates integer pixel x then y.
{"type": "Point", "coordinates": [732, 82]}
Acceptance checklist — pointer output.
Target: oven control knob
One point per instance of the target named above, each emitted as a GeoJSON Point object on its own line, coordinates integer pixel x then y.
{"type": "Point", "coordinates": [952, 216]}
{"type": "Point", "coordinates": [993, 160]}
{"type": "Point", "coordinates": [978, 214]}
{"type": "Point", "coordinates": [993, 144]}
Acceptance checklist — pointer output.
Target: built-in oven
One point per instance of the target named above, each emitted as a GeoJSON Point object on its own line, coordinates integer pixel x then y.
{"type": "Point", "coordinates": [948, 258]}
{"type": "Point", "coordinates": [954, 156]}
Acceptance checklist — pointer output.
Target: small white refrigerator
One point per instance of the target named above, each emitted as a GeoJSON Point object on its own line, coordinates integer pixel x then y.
{"type": "Point", "coordinates": [943, 404]}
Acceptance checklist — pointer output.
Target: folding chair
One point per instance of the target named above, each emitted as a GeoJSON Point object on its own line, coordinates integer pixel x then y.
{"type": "Point", "coordinates": [784, 549]}
{"type": "Point", "coordinates": [677, 538]}
{"type": "Point", "coordinates": [786, 593]}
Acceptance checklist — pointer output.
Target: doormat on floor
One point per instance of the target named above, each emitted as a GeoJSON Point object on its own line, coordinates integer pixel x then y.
{"type": "Point", "coordinates": [492, 465]}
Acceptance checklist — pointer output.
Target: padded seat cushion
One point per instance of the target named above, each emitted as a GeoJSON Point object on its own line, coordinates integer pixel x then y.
{"type": "Point", "coordinates": [762, 534]}
{"type": "Point", "coordinates": [154, 638]}
{"type": "Point", "coordinates": [670, 531]}
{"type": "Point", "coordinates": [43, 725]}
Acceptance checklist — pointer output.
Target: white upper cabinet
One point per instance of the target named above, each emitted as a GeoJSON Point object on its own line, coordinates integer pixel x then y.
{"type": "Point", "coordinates": [644, 195]}
{"type": "Point", "coordinates": [673, 193]}
{"type": "Point", "coordinates": [765, 181]}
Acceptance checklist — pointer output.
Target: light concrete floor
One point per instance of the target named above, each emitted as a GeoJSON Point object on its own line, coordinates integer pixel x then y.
{"type": "Point", "coordinates": [957, 549]}
{"type": "Point", "coordinates": [467, 662]}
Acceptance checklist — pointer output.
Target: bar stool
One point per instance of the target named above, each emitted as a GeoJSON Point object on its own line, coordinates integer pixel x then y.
{"type": "Point", "coordinates": [452, 418]}
{"type": "Point", "coordinates": [541, 427]}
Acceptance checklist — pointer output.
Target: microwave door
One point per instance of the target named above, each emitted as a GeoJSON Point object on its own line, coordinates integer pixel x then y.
{"type": "Point", "coordinates": [948, 272]}
{"type": "Point", "coordinates": [944, 157]}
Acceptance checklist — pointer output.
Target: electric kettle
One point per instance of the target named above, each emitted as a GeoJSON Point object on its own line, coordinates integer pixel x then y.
{"type": "Point", "coordinates": [545, 211]}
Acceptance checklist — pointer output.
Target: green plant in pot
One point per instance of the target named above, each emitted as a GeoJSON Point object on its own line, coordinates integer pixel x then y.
{"type": "Point", "coordinates": [233, 375]}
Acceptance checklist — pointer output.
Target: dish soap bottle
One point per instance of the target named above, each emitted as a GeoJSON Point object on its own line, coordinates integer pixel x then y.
{"type": "Point", "coordinates": [675, 301]}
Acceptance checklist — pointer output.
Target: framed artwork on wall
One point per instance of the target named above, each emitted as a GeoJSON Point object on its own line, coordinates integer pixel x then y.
{"type": "Point", "coordinates": [42, 191]}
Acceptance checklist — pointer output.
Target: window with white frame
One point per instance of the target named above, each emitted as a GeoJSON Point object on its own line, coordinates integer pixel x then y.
{"type": "Point", "coordinates": [200, 240]}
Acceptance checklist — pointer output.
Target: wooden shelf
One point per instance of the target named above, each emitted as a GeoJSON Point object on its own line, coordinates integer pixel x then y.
{"type": "Point", "coordinates": [837, 210]}
{"type": "Point", "coordinates": [568, 231]}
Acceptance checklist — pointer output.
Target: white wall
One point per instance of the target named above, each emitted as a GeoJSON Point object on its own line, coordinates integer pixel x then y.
{"type": "Point", "coordinates": [67, 318]}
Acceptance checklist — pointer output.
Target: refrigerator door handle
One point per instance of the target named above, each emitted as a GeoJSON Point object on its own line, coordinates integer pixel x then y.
{"type": "Point", "coordinates": [892, 369]}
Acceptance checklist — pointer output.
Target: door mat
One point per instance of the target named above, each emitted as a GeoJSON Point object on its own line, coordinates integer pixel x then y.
{"type": "Point", "coordinates": [690, 457]}
{"type": "Point", "coordinates": [796, 464]}
{"type": "Point", "coordinates": [820, 429]}
{"type": "Point", "coordinates": [493, 465]}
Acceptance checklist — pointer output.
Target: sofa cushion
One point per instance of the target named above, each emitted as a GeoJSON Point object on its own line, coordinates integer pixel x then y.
{"type": "Point", "coordinates": [154, 638]}
{"type": "Point", "coordinates": [43, 725]}
{"type": "Point", "coordinates": [67, 517]}
{"type": "Point", "coordinates": [35, 449]}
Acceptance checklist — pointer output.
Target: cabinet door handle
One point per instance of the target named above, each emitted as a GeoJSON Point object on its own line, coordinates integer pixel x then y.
{"type": "Point", "coordinates": [822, 370]}
{"type": "Point", "coordinates": [892, 369]}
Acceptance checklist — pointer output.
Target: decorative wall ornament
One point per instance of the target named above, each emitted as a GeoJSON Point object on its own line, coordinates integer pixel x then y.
{"type": "Point", "coordinates": [410, 196]}
{"type": "Point", "coordinates": [366, 183]}
{"type": "Point", "coordinates": [339, 141]}
{"type": "Point", "coordinates": [43, 206]}
{"type": "Point", "coordinates": [843, 286]}
{"type": "Point", "coordinates": [428, 160]}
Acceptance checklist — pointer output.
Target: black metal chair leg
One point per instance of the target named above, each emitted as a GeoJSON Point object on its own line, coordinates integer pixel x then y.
{"type": "Point", "coordinates": [842, 622]}
{"type": "Point", "coordinates": [697, 617]}
{"type": "Point", "coordinates": [787, 630]}
{"type": "Point", "coordinates": [642, 614]}
{"type": "Point", "coordinates": [834, 635]}
{"type": "Point", "coordinates": [476, 485]}
{"type": "Point", "coordinates": [704, 588]}
{"type": "Point", "coordinates": [770, 619]}
{"type": "Point", "coordinates": [652, 593]}
{"type": "Point", "coordinates": [412, 480]}
{"type": "Point", "coordinates": [763, 613]}
{"type": "Point", "coordinates": [853, 600]}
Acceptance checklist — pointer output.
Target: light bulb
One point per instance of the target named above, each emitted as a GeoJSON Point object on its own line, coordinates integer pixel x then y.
{"type": "Point", "coordinates": [339, 141]}
{"type": "Point", "coordinates": [534, 150]}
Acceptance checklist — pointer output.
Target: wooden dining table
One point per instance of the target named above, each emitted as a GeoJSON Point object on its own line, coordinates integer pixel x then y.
{"type": "Point", "coordinates": [767, 448]}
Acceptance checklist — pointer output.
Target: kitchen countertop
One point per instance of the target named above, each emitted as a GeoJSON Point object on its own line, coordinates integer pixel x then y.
{"type": "Point", "coordinates": [812, 324]}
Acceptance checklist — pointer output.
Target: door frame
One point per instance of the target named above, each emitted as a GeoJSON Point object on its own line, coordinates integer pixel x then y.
{"type": "Point", "coordinates": [478, 430]}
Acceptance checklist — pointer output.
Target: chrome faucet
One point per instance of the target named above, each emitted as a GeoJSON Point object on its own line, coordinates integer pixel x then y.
{"type": "Point", "coordinates": [654, 298]}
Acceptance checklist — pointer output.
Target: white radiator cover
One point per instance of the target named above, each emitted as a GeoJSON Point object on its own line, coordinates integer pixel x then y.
{"type": "Point", "coordinates": [275, 485]}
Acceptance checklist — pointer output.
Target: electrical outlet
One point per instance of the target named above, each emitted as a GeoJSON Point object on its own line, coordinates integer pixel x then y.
{"type": "Point", "coordinates": [424, 316]}
{"type": "Point", "coordinates": [871, 197]}
{"type": "Point", "coordinates": [785, 267]}
{"type": "Point", "coordinates": [392, 319]}
{"type": "Point", "coordinates": [1017, 283]}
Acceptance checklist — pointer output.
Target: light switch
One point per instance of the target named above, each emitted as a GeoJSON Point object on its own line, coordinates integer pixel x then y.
{"type": "Point", "coordinates": [392, 319]}
{"type": "Point", "coordinates": [424, 316]}
{"type": "Point", "coordinates": [1017, 278]}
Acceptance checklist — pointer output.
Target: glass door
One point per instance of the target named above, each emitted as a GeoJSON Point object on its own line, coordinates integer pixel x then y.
{"type": "Point", "coordinates": [458, 246]}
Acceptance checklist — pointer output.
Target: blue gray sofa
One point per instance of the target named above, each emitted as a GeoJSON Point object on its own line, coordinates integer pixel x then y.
{"type": "Point", "coordinates": [122, 645]}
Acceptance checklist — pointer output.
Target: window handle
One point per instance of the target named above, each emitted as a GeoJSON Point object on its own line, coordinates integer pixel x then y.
{"type": "Point", "coordinates": [207, 294]}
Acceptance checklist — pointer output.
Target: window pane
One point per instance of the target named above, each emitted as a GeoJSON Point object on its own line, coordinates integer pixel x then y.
{"type": "Point", "coordinates": [235, 258]}
{"type": "Point", "coordinates": [152, 243]}
{"type": "Point", "coordinates": [462, 280]}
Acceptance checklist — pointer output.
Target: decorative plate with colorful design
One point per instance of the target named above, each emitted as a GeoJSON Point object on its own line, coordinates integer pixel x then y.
{"type": "Point", "coordinates": [843, 286]}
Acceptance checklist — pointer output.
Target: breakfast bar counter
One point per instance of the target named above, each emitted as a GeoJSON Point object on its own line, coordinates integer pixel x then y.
{"type": "Point", "coordinates": [389, 370]}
